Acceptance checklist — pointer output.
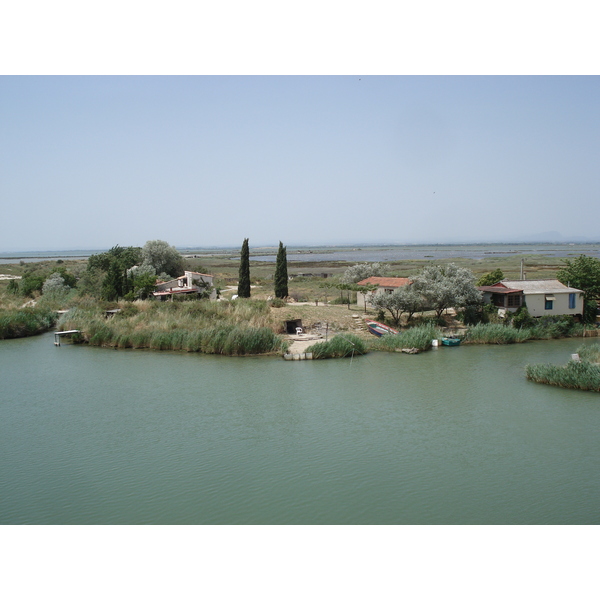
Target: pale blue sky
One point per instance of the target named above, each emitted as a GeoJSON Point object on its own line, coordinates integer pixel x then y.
{"type": "Point", "coordinates": [89, 162]}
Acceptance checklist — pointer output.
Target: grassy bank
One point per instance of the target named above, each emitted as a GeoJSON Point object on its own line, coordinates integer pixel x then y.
{"type": "Point", "coordinates": [24, 322]}
{"type": "Point", "coordinates": [584, 375]}
{"type": "Point", "coordinates": [231, 328]}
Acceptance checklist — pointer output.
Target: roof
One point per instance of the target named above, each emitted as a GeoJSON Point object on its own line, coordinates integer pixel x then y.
{"type": "Point", "coordinates": [498, 289]}
{"type": "Point", "coordinates": [194, 273]}
{"type": "Point", "coordinates": [385, 281]}
{"type": "Point", "coordinates": [540, 286]}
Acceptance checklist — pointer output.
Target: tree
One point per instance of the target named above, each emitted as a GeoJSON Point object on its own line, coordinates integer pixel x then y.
{"type": "Point", "coordinates": [55, 288]}
{"type": "Point", "coordinates": [281, 273]}
{"type": "Point", "coordinates": [491, 278]}
{"type": "Point", "coordinates": [445, 286]}
{"type": "Point", "coordinates": [583, 273]}
{"type": "Point", "coordinates": [244, 276]}
{"type": "Point", "coordinates": [402, 300]}
{"type": "Point", "coordinates": [363, 271]}
{"type": "Point", "coordinates": [163, 258]}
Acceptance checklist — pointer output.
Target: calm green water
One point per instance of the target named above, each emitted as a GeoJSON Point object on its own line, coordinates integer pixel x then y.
{"type": "Point", "coordinates": [456, 435]}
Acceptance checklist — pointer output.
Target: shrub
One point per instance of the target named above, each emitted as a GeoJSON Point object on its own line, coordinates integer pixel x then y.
{"type": "Point", "coordinates": [277, 303]}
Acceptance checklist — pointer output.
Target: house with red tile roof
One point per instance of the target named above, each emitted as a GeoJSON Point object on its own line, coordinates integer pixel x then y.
{"type": "Point", "coordinates": [385, 285]}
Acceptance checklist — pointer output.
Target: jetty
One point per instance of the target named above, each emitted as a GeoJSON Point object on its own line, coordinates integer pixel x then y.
{"type": "Point", "coordinates": [59, 334]}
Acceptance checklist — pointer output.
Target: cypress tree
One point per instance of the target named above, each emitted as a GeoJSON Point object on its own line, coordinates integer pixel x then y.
{"type": "Point", "coordinates": [244, 276]}
{"type": "Point", "coordinates": [281, 274]}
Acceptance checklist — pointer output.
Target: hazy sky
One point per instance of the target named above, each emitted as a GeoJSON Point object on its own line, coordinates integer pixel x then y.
{"type": "Point", "coordinates": [90, 162]}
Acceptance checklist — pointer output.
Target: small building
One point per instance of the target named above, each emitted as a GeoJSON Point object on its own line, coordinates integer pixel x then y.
{"type": "Point", "coordinates": [541, 296]}
{"type": "Point", "coordinates": [189, 283]}
{"type": "Point", "coordinates": [386, 285]}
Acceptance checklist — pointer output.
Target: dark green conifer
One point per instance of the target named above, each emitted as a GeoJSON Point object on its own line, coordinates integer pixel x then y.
{"type": "Point", "coordinates": [281, 274]}
{"type": "Point", "coordinates": [244, 276]}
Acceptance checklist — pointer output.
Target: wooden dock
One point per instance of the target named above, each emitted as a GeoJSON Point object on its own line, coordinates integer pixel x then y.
{"type": "Point", "coordinates": [59, 334]}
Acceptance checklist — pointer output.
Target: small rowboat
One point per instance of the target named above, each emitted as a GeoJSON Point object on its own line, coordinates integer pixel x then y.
{"type": "Point", "coordinates": [379, 329]}
{"type": "Point", "coordinates": [450, 341]}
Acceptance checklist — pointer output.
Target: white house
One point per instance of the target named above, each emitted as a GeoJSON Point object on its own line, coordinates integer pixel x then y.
{"type": "Point", "coordinates": [541, 296]}
{"type": "Point", "coordinates": [386, 285]}
{"type": "Point", "coordinates": [189, 283]}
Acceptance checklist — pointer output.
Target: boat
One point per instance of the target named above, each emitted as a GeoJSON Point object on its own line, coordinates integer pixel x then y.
{"type": "Point", "coordinates": [451, 341]}
{"type": "Point", "coordinates": [379, 329]}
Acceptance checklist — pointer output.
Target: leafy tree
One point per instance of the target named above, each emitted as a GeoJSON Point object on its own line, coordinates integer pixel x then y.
{"type": "Point", "coordinates": [31, 283]}
{"type": "Point", "coordinates": [55, 288]}
{"type": "Point", "coordinates": [363, 271]}
{"type": "Point", "coordinates": [445, 286]}
{"type": "Point", "coordinates": [583, 273]}
{"type": "Point", "coordinates": [402, 300]}
{"type": "Point", "coordinates": [113, 286]}
{"type": "Point", "coordinates": [90, 283]}
{"type": "Point", "coordinates": [163, 258]}
{"type": "Point", "coordinates": [281, 273]}
{"type": "Point", "coordinates": [491, 278]}
{"type": "Point", "coordinates": [244, 275]}
{"type": "Point", "coordinates": [113, 264]}
{"type": "Point", "coordinates": [127, 257]}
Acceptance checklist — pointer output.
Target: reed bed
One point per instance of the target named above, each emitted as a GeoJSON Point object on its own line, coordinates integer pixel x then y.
{"type": "Point", "coordinates": [24, 322]}
{"type": "Point", "coordinates": [416, 337]}
{"type": "Point", "coordinates": [574, 375]}
{"type": "Point", "coordinates": [589, 353]}
{"type": "Point", "coordinates": [231, 328]}
{"type": "Point", "coordinates": [496, 333]}
{"type": "Point", "coordinates": [544, 329]}
{"type": "Point", "coordinates": [339, 346]}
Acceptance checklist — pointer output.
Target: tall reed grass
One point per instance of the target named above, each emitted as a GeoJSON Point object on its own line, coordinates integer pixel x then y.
{"type": "Point", "coordinates": [232, 328]}
{"type": "Point", "coordinates": [496, 333]}
{"type": "Point", "coordinates": [416, 337]}
{"type": "Point", "coordinates": [24, 322]}
{"type": "Point", "coordinates": [339, 346]}
{"type": "Point", "coordinates": [574, 375]}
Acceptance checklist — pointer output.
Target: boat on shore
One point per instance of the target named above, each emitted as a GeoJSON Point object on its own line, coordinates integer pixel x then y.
{"type": "Point", "coordinates": [379, 329]}
{"type": "Point", "coordinates": [451, 341]}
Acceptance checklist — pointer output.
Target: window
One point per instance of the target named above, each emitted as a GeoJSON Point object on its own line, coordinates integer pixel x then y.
{"type": "Point", "coordinates": [549, 304]}
{"type": "Point", "coordinates": [514, 300]}
{"type": "Point", "coordinates": [388, 291]}
{"type": "Point", "coordinates": [572, 300]}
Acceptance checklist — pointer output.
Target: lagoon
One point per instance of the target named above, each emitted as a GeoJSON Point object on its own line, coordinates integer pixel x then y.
{"type": "Point", "coordinates": [452, 436]}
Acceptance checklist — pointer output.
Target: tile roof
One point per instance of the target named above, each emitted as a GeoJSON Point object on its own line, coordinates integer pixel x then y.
{"type": "Point", "coordinates": [385, 281]}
